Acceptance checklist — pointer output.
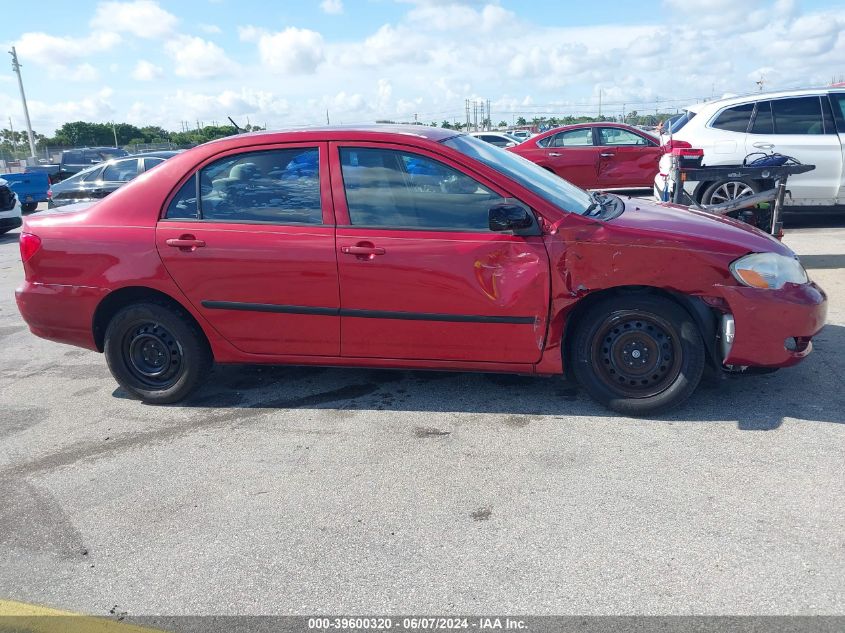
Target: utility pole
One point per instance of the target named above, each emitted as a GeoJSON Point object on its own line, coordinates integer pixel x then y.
{"type": "Point", "coordinates": [489, 116]}
{"type": "Point", "coordinates": [466, 107]}
{"type": "Point", "coordinates": [114, 129]}
{"type": "Point", "coordinates": [14, 144]}
{"type": "Point", "coordinates": [599, 103]}
{"type": "Point", "coordinates": [17, 68]}
{"type": "Point", "coordinates": [327, 117]}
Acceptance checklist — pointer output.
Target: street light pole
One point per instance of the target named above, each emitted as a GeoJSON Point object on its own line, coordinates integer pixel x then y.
{"type": "Point", "coordinates": [17, 68]}
{"type": "Point", "coordinates": [114, 129]}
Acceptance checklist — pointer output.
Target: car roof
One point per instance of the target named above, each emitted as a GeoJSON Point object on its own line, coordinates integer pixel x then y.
{"type": "Point", "coordinates": [165, 153]}
{"type": "Point", "coordinates": [345, 132]}
{"type": "Point", "coordinates": [718, 104]}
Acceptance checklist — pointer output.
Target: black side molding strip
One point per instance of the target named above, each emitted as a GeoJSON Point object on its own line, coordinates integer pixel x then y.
{"type": "Point", "coordinates": [365, 314]}
{"type": "Point", "coordinates": [267, 307]}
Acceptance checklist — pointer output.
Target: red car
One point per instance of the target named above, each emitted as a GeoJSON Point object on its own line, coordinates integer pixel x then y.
{"type": "Point", "coordinates": [407, 247]}
{"type": "Point", "coordinates": [596, 155]}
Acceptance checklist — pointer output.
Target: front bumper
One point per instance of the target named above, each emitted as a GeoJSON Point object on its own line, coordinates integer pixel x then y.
{"type": "Point", "coordinates": [766, 319]}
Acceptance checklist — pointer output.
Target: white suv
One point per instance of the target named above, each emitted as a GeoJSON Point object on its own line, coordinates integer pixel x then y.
{"type": "Point", "coordinates": [808, 125]}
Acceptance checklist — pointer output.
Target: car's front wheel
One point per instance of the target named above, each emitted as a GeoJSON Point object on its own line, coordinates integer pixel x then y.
{"type": "Point", "coordinates": [638, 354]}
{"type": "Point", "coordinates": [156, 352]}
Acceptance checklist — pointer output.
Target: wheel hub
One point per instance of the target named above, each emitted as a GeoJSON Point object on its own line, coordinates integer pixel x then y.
{"type": "Point", "coordinates": [636, 354]}
{"type": "Point", "coordinates": [153, 354]}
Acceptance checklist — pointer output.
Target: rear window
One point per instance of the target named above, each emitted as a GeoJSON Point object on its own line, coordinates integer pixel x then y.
{"type": "Point", "coordinates": [676, 123]}
{"type": "Point", "coordinates": [734, 119]}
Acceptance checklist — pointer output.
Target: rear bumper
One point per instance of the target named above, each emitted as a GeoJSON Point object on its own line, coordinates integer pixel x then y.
{"type": "Point", "coordinates": [766, 319]}
{"type": "Point", "coordinates": [60, 313]}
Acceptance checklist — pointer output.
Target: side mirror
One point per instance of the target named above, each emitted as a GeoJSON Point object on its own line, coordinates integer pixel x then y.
{"type": "Point", "coordinates": [509, 217]}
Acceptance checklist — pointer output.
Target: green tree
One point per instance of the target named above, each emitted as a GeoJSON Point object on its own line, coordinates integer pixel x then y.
{"type": "Point", "coordinates": [446, 124]}
{"type": "Point", "coordinates": [503, 124]}
{"type": "Point", "coordinates": [521, 121]}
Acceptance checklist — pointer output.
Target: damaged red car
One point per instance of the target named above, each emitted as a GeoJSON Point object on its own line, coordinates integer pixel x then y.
{"type": "Point", "coordinates": [408, 247]}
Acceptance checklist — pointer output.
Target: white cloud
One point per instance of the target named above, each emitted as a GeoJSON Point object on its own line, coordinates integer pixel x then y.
{"type": "Point", "coordinates": [146, 71]}
{"type": "Point", "coordinates": [197, 58]}
{"type": "Point", "coordinates": [53, 50]}
{"type": "Point", "coordinates": [83, 72]}
{"type": "Point", "coordinates": [293, 51]}
{"type": "Point", "coordinates": [211, 29]}
{"type": "Point", "coordinates": [141, 18]}
{"type": "Point", "coordinates": [333, 7]}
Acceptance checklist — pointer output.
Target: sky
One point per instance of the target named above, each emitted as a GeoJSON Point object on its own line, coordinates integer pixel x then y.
{"type": "Point", "coordinates": [290, 62]}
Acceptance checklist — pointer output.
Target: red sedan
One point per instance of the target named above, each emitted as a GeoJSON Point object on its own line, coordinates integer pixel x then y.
{"type": "Point", "coordinates": [407, 248]}
{"type": "Point", "coordinates": [596, 155]}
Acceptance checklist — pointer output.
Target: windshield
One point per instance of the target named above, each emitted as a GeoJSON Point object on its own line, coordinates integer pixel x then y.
{"type": "Point", "coordinates": [545, 184]}
{"type": "Point", "coordinates": [106, 154]}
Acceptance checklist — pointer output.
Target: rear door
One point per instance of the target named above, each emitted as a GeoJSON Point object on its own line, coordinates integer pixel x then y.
{"type": "Point", "coordinates": [421, 274]}
{"type": "Point", "coordinates": [626, 159]}
{"type": "Point", "coordinates": [249, 239]}
{"type": "Point", "coordinates": [572, 155]}
{"type": "Point", "coordinates": [799, 127]}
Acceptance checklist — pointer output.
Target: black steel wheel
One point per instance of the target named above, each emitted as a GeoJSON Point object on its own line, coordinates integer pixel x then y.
{"type": "Point", "coordinates": [638, 354]}
{"type": "Point", "coordinates": [156, 352]}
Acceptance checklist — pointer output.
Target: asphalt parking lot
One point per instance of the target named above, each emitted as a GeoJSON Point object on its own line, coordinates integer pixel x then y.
{"type": "Point", "coordinates": [294, 490]}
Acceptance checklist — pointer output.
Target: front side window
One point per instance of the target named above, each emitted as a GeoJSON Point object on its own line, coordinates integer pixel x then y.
{"type": "Point", "coordinates": [837, 100]}
{"type": "Point", "coordinates": [275, 186]}
{"type": "Point", "coordinates": [734, 119]}
{"type": "Point", "coordinates": [121, 170]}
{"type": "Point", "coordinates": [394, 189]}
{"type": "Point", "coordinates": [615, 136]}
{"type": "Point", "coordinates": [802, 115]}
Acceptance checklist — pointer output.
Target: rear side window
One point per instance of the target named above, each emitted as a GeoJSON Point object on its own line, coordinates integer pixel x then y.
{"type": "Point", "coordinates": [274, 186]}
{"type": "Point", "coordinates": [582, 137]}
{"type": "Point", "coordinates": [677, 122]}
{"type": "Point", "coordinates": [393, 189]}
{"type": "Point", "coordinates": [802, 115]}
{"type": "Point", "coordinates": [121, 170]}
{"type": "Point", "coordinates": [763, 123]}
{"type": "Point", "coordinates": [149, 163]}
{"type": "Point", "coordinates": [734, 119]}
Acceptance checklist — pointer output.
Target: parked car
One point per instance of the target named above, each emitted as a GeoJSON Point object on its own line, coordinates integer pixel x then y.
{"type": "Point", "coordinates": [10, 208]}
{"type": "Point", "coordinates": [105, 178]}
{"type": "Point", "coordinates": [30, 189]}
{"type": "Point", "coordinates": [499, 139]}
{"type": "Point", "coordinates": [805, 124]}
{"type": "Point", "coordinates": [521, 135]}
{"type": "Point", "coordinates": [237, 252]}
{"type": "Point", "coordinates": [75, 160]}
{"type": "Point", "coordinates": [596, 155]}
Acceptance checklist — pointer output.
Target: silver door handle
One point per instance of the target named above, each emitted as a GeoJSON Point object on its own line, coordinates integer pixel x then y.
{"type": "Point", "coordinates": [607, 154]}
{"type": "Point", "coordinates": [764, 145]}
{"type": "Point", "coordinates": [554, 154]}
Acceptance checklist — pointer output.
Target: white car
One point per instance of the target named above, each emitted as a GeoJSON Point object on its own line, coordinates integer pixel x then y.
{"type": "Point", "coordinates": [10, 208]}
{"type": "Point", "coordinates": [808, 125]}
{"type": "Point", "coordinates": [499, 139]}
{"type": "Point", "coordinates": [521, 135]}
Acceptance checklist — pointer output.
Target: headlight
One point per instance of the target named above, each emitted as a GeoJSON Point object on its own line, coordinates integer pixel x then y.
{"type": "Point", "coordinates": [768, 270]}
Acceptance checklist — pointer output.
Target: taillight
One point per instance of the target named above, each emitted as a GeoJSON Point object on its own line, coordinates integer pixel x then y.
{"type": "Point", "coordinates": [49, 194]}
{"type": "Point", "coordinates": [29, 246]}
{"type": "Point", "coordinates": [673, 144]}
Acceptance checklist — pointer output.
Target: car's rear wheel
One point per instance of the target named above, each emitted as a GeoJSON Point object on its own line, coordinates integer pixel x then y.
{"type": "Point", "coordinates": [728, 190]}
{"type": "Point", "coordinates": [156, 352]}
{"type": "Point", "coordinates": [28, 207]}
{"type": "Point", "coordinates": [638, 354]}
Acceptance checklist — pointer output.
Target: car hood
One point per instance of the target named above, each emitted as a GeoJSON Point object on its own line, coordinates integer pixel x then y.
{"type": "Point", "coordinates": [682, 224]}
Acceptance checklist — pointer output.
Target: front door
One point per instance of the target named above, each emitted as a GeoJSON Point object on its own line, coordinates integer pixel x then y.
{"type": "Point", "coordinates": [255, 251]}
{"type": "Point", "coordinates": [421, 275]}
{"type": "Point", "coordinates": [626, 159]}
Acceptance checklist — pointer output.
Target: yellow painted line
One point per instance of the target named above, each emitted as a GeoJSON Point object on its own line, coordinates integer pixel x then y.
{"type": "Point", "coordinates": [21, 617]}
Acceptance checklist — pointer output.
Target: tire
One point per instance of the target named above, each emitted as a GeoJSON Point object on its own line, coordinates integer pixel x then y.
{"type": "Point", "coordinates": [726, 190]}
{"type": "Point", "coordinates": [28, 207]}
{"type": "Point", "coordinates": [156, 352]}
{"type": "Point", "coordinates": [638, 354]}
